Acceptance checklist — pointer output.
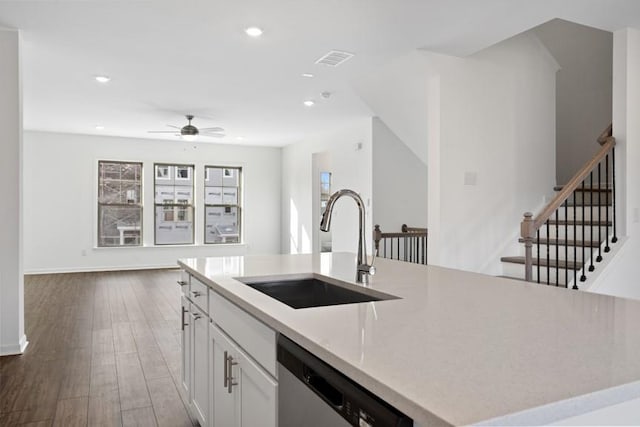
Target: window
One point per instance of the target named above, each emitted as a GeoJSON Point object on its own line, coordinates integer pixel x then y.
{"type": "Point", "coordinates": [174, 204]}
{"type": "Point", "coordinates": [119, 204]}
{"type": "Point", "coordinates": [222, 205]}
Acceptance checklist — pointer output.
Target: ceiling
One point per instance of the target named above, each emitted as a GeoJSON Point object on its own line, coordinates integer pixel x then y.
{"type": "Point", "coordinates": [170, 58]}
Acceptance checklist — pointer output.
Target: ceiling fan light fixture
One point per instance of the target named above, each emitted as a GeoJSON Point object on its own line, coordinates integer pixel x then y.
{"type": "Point", "coordinates": [190, 138]}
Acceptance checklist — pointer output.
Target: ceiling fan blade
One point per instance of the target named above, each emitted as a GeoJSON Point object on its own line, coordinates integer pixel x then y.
{"type": "Point", "coordinates": [161, 131]}
{"type": "Point", "coordinates": [214, 135]}
{"type": "Point", "coordinates": [215, 129]}
{"type": "Point", "coordinates": [175, 127]}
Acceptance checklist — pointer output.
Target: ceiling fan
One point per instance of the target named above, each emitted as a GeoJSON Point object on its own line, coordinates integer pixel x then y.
{"type": "Point", "coordinates": [189, 132]}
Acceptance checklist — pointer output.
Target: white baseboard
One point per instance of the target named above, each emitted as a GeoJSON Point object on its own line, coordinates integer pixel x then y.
{"type": "Point", "coordinates": [13, 349]}
{"type": "Point", "coordinates": [96, 269]}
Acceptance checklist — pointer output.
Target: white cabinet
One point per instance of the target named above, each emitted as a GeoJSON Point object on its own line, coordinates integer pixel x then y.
{"type": "Point", "coordinates": [243, 394]}
{"type": "Point", "coordinates": [186, 347]}
{"type": "Point", "coordinates": [228, 361]}
{"type": "Point", "coordinates": [200, 365]}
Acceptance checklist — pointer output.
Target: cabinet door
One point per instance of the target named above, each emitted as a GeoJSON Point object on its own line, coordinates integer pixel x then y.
{"type": "Point", "coordinates": [200, 365]}
{"type": "Point", "coordinates": [186, 348]}
{"type": "Point", "coordinates": [258, 393]}
{"type": "Point", "coordinates": [222, 404]}
{"type": "Point", "coordinates": [251, 401]}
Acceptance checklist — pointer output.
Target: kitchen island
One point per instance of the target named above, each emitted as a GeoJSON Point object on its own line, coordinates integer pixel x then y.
{"type": "Point", "coordinates": [454, 348]}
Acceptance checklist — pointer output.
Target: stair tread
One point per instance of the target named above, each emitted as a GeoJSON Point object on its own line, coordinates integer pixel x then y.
{"type": "Point", "coordinates": [579, 222]}
{"type": "Point", "coordinates": [571, 265]}
{"type": "Point", "coordinates": [563, 242]}
{"type": "Point", "coordinates": [602, 188]}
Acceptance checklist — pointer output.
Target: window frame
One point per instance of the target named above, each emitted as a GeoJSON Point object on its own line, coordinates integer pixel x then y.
{"type": "Point", "coordinates": [238, 205]}
{"type": "Point", "coordinates": [175, 204]}
{"type": "Point", "coordinates": [139, 204]}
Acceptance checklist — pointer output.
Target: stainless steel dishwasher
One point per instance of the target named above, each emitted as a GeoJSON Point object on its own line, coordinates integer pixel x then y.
{"type": "Point", "coordinates": [313, 394]}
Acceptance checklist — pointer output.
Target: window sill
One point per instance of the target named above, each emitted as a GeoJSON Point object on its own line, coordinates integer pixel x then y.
{"type": "Point", "coordinates": [198, 245]}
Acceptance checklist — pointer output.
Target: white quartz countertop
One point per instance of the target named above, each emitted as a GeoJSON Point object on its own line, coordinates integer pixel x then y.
{"type": "Point", "coordinates": [456, 348]}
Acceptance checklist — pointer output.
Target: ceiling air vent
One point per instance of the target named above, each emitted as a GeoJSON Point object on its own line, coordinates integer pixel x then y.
{"type": "Point", "coordinates": [334, 58]}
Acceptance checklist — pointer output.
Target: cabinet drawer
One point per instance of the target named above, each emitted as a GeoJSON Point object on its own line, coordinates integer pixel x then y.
{"type": "Point", "coordinates": [183, 282]}
{"type": "Point", "coordinates": [198, 294]}
{"type": "Point", "coordinates": [256, 338]}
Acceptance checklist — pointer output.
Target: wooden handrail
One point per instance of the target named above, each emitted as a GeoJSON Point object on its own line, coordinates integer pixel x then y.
{"type": "Point", "coordinates": [602, 139]}
{"type": "Point", "coordinates": [407, 229]}
{"type": "Point", "coordinates": [530, 225]}
{"type": "Point", "coordinates": [572, 185]}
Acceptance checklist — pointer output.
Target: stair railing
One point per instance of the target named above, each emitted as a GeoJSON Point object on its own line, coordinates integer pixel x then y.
{"type": "Point", "coordinates": [549, 216]}
{"type": "Point", "coordinates": [409, 245]}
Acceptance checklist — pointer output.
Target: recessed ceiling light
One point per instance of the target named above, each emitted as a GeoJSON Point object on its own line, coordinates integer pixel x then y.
{"type": "Point", "coordinates": [308, 75]}
{"type": "Point", "coordinates": [99, 127]}
{"type": "Point", "coordinates": [253, 31]}
{"type": "Point", "coordinates": [103, 79]}
{"type": "Point", "coordinates": [309, 103]}
{"type": "Point", "coordinates": [239, 138]}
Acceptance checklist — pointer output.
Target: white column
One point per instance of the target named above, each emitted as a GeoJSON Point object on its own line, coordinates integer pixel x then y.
{"type": "Point", "coordinates": [12, 337]}
{"type": "Point", "coordinates": [626, 127]}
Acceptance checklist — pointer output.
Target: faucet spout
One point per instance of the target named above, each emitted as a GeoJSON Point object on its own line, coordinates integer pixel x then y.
{"type": "Point", "coordinates": [325, 225]}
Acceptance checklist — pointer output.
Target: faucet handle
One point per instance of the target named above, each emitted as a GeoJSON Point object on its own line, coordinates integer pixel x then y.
{"type": "Point", "coordinates": [372, 268]}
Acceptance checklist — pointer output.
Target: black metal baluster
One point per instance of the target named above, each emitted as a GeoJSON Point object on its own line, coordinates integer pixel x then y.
{"type": "Point", "coordinates": [557, 248]}
{"type": "Point", "coordinates": [384, 247]}
{"type": "Point", "coordinates": [548, 264]}
{"type": "Point", "coordinates": [613, 193]}
{"type": "Point", "coordinates": [566, 238]}
{"type": "Point", "coordinates": [412, 245]}
{"type": "Point", "coordinates": [575, 237]}
{"type": "Point", "coordinates": [426, 254]}
{"type": "Point", "coordinates": [606, 200]}
{"type": "Point", "coordinates": [592, 216]}
{"type": "Point", "coordinates": [538, 254]}
{"type": "Point", "coordinates": [583, 277]}
{"type": "Point", "coordinates": [398, 248]}
{"type": "Point", "coordinates": [599, 257]}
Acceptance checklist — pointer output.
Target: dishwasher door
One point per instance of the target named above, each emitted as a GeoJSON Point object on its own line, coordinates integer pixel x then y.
{"type": "Point", "coordinates": [298, 406]}
{"type": "Point", "coordinates": [314, 394]}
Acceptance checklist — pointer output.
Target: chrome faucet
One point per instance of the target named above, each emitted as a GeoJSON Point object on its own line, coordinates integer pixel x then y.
{"type": "Point", "coordinates": [363, 269]}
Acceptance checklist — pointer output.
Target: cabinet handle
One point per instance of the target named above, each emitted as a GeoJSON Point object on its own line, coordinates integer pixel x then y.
{"type": "Point", "coordinates": [195, 294]}
{"type": "Point", "coordinates": [230, 382]}
{"type": "Point", "coordinates": [183, 312]}
{"type": "Point", "coordinates": [226, 370]}
{"type": "Point", "coordinates": [182, 283]}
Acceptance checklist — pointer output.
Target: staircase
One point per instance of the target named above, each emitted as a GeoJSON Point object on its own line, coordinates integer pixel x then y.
{"type": "Point", "coordinates": [570, 236]}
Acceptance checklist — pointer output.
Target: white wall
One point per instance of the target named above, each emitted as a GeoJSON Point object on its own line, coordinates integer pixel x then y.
{"type": "Point", "coordinates": [620, 276]}
{"type": "Point", "coordinates": [12, 338]}
{"type": "Point", "coordinates": [397, 94]}
{"type": "Point", "coordinates": [61, 208]}
{"type": "Point", "coordinates": [399, 182]}
{"type": "Point", "coordinates": [497, 132]}
{"type": "Point", "coordinates": [351, 168]}
{"type": "Point", "coordinates": [583, 90]}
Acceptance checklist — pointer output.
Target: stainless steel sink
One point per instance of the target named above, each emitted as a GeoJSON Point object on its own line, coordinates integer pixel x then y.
{"type": "Point", "coordinates": [312, 292]}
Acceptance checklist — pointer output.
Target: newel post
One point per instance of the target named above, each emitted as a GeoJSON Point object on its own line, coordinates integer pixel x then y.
{"type": "Point", "coordinates": [527, 233]}
{"type": "Point", "coordinates": [377, 235]}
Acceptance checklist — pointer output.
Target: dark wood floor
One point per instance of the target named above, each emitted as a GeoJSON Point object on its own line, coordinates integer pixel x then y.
{"type": "Point", "coordinates": [104, 349]}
